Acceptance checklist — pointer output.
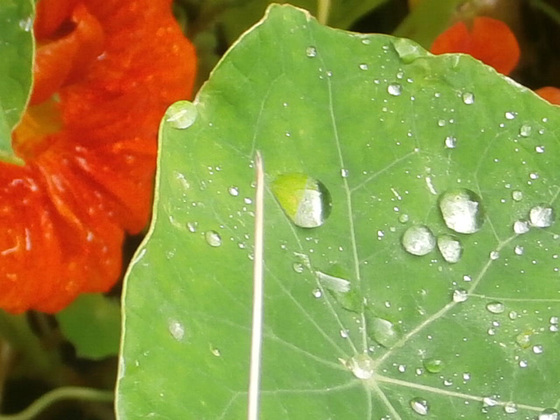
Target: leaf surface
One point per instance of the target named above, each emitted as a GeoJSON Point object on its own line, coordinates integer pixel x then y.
{"type": "Point", "coordinates": [367, 141]}
{"type": "Point", "coordinates": [16, 50]}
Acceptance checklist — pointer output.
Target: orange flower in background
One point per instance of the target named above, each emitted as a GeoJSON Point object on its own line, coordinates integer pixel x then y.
{"type": "Point", "coordinates": [105, 72]}
{"type": "Point", "coordinates": [489, 40]}
{"type": "Point", "coordinates": [551, 94]}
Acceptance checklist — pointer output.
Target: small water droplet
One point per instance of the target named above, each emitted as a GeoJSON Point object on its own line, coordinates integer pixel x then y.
{"type": "Point", "coordinates": [363, 66]}
{"type": "Point", "coordinates": [538, 349]}
{"type": "Point", "coordinates": [298, 267]}
{"type": "Point", "coordinates": [311, 52]}
{"type": "Point", "coordinates": [26, 24]}
{"type": "Point", "coordinates": [433, 365]}
{"type": "Point", "coordinates": [361, 365]}
{"type": "Point", "coordinates": [489, 402]}
{"type": "Point", "coordinates": [450, 248]}
{"type": "Point", "coordinates": [523, 339]}
{"type": "Point", "coordinates": [494, 255]}
{"type": "Point", "coordinates": [525, 130]}
{"type": "Point", "coordinates": [403, 218]}
{"type": "Point", "coordinates": [344, 173]}
{"type": "Point", "coordinates": [539, 149]}
{"type": "Point", "coordinates": [181, 114]}
{"type": "Point", "coordinates": [460, 295]}
{"type": "Point", "coordinates": [517, 195]}
{"type": "Point", "coordinates": [510, 408]}
{"type": "Point", "coordinates": [418, 240]}
{"type": "Point", "coordinates": [317, 293]}
{"type": "Point", "coordinates": [192, 226]}
{"type": "Point", "coordinates": [549, 414]}
{"type": "Point", "coordinates": [215, 351]}
{"type": "Point", "coordinates": [518, 250]}
{"type": "Point", "coordinates": [461, 210]}
{"type": "Point", "coordinates": [420, 406]}
{"type": "Point", "coordinates": [541, 216]}
{"type": "Point", "coordinates": [176, 329]}
{"type": "Point", "coordinates": [495, 307]}
{"type": "Point", "coordinates": [468, 98]}
{"type": "Point", "coordinates": [521, 226]}
{"type": "Point", "coordinates": [394, 89]}
{"type": "Point", "coordinates": [213, 238]}
{"type": "Point", "coordinates": [305, 200]}
{"type": "Point", "coordinates": [510, 115]}
{"type": "Point", "coordinates": [450, 142]}
{"type": "Point", "coordinates": [233, 191]}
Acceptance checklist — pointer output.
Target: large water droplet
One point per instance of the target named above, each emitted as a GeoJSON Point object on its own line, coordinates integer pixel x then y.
{"type": "Point", "coordinates": [305, 200]}
{"type": "Point", "coordinates": [383, 331]}
{"type": "Point", "coordinates": [418, 240]}
{"type": "Point", "coordinates": [420, 406]}
{"type": "Point", "coordinates": [541, 216]}
{"type": "Point", "coordinates": [394, 89]}
{"type": "Point", "coordinates": [495, 307]}
{"type": "Point", "coordinates": [468, 98]}
{"type": "Point", "coordinates": [213, 238]}
{"type": "Point", "coordinates": [461, 210]}
{"type": "Point", "coordinates": [433, 365]}
{"type": "Point", "coordinates": [460, 295]}
{"type": "Point", "coordinates": [361, 366]}
{"type": "Point", "coordinates": [341, 289]}
{"type": "Point", "coordinates": [450, 248]}
{"type": "Point", "coordinates": [407, 50]}
{"type": "Point", "coordinates": [549, 414]}
{"type": "Point", "coordinates": [520, 227]}
{"type": "Point", "coordinates": [181, 114]}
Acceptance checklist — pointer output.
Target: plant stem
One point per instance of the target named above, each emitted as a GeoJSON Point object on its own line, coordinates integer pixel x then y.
{"type": "Point", "coordinates": [323, 10]}
{"type": "Point", "coordinates": [63, 393]}
{"type": "Point", "coordinates": [547, 9]}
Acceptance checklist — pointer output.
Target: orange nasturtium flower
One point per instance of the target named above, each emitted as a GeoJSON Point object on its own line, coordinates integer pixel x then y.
{"type": "Point", "coordinates": [488, 40]}
{"type": "Point", "coordinates": [105, 71]}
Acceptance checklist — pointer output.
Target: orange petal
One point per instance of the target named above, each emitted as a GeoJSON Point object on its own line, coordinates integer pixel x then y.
{"type": "Point", "coordinates": [490, 41]}
{"type": "Point", "coordinates": [551, 94]}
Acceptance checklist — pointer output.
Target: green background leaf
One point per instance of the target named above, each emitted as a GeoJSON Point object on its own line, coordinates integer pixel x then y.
{"type": "Point", "coordinates": [92, 324]}
{"type": "Point", "coordinates": [16, 50]}
{"type": "Point", "coordinates": [355, 326]}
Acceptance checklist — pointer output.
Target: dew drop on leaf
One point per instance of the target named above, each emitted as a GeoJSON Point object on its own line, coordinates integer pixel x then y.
{"type": "Point", "coordinates": [361, 366]}
{"type": "Point", "coordinates": [517, 195]}
{"type": "Point", "coordinates": [510, 408]}
{"type": "Point", "coordinates": [541, 216]}
{"type": "Point", "coordinates": [311, 52]}
{"type": "Point", "coordinates": [495, 307]}
{"type": "Point", "coordinates": [450, 248]}
{"type": "Point", "coordinates": [468, 98]}
{"type": "Point", "coordinates": [298, 267]}
{"type": "Point", "coordinates": [433, 365]}
{"type": "Point", "coordinates": [525, 130]}
{"type": "Point", "coordinates": [213, 238]}
{"type": "Point", "coordinates": [523, 339]}
{"type": "Point", "coordinates": [418, 240]}
{"type": "Point", "coordinates": [192, 226]}
{"type": "Point", "coordinates": [420, 406]}
{"type": "Point", "coordinates": [233, 191]}
{"type": "Point", "coordinates": [383, 331]}
{"type": "Point", "coordinates": [549, 414]}
{"type": "Point", "coordinates": [450, 142]}
{"type": "Point", "coordinates": [460, 295]}
{"type": "Point", "coordinates": [305, 200]}
{"type": "Point", "coordinates": [394, 89]}
{"type": "Point", "coordinates": [461, 210]}
{"type": "Point", "coordinates": [408, 51]}
{"type": "Point", "coordinates": [521, 226]}
{"type": "Point", "coordinates": [176, 329]}
{"type": "Point", "coordinates": [181, 114]}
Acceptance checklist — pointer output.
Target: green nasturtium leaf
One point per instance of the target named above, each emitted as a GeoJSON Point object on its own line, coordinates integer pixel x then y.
{"type": "Point", "coordinates": [432, 286]}
{"type": "Point", "coordinates": [16, 50]}
{"type": "Point", "coordinates": [92, 324]}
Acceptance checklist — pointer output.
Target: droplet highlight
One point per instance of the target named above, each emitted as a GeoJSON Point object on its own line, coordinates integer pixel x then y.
{"type": "Point", "coordinates": [394, 89]}
{"type": "Point", "coordinates": [181, 114]}
{"type": "Point", "coordinates": [420, 406]}
{"type": "Point", "coordinates": [541, 216]}
{"type": "Point", "coordinates": [213, 238]}
{"type": "Point", "coordinates": [450, 248]}
{"type": "Point", "coordinates": [418, 240]}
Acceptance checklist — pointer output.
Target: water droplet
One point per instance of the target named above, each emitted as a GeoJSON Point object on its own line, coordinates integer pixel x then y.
{"type": "Point", "coordinates": [518, 250]}
{"type": "Point", "coordinates": [176, 329]}
{"type": "Point", "coordinates": [489, 402]}
{"type": "Point", "coordinates": [418, 240]}
{"type": "Point", "coordinates": [460, 295]}
{"type": "Point", "coordinates": [361, 366]}
{"type": "Point", "coordinates": [420, 406]}
{"type": "Point", "coordinates": [233, 191]}
{"type": "Point", "coordinates": [363, 66]}
{"type": "Point", "coordinates": [525, 130]}
{"type": "Point", "coordinates": [523, 339]}
{"type": "Point", "coordinates": [433, 365]}
{"type": "Point", "coordinates": [213, 238]}
{"type": "Point", "coordinates": [510, 115]}
{"type": "Point", "coordinates": [394, 89]}
{"type": "Point", "coordinates": [539, 149]}
{"type": "Point", "coordinates": [549, 414]}
{"type": "Point", "coordinates": [382, 331]}
{"type": "Point", "coordinates": [541, 216]}
{"type": "Point", "coordinates": [517, 195]}
{"type": "Point", "coordinates": [450, 142]}
{"type": "Point", "coordinates": [335, 284]}
{"type": "Point", "coordinates": [408, 51]}
{"type": "Point", "coordinates": [311, 52]}
{"type": "Point", "coordinates": [538, 349]}
{"type": "Point", "coordinates": [450, 248]}
{"type": "Point", "coordinates": [495, 307]}
{"type": "Point", "coordinates": [181, 114]}
{"type": "Point", "coordinates": [298, 267]}
{"type": "Point", "coordinates": [494, 255]}
{"type": "Point", "coordinates": [344, 173]}
{"type": "Point", "coordinates": [468, 98]}
{"type": "Point", "coordinates": [192, 226]}
{"type": "Point", "coordinates": [26, 24]}
{"type": "Point", "coordinates": [215, 351]}
{"type": "Point", "coordinates": [510, 408]}
{"type": "Point", "coordinates": [403, 218]}
{"type": "Point", "coordinates": [317, 293]}
{"type": "Point", "coordinates": [461, 210]}
{"type": "Point", "coordinates": [521, 226]}
{"type": "Point", "coordinates": [305, 200]}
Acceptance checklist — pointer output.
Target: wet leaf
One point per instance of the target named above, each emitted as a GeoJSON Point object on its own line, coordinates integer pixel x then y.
{"type": "Point", "coordinates": [399, 139]}
{"type": "Point", "coordinates": [16, 50]}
